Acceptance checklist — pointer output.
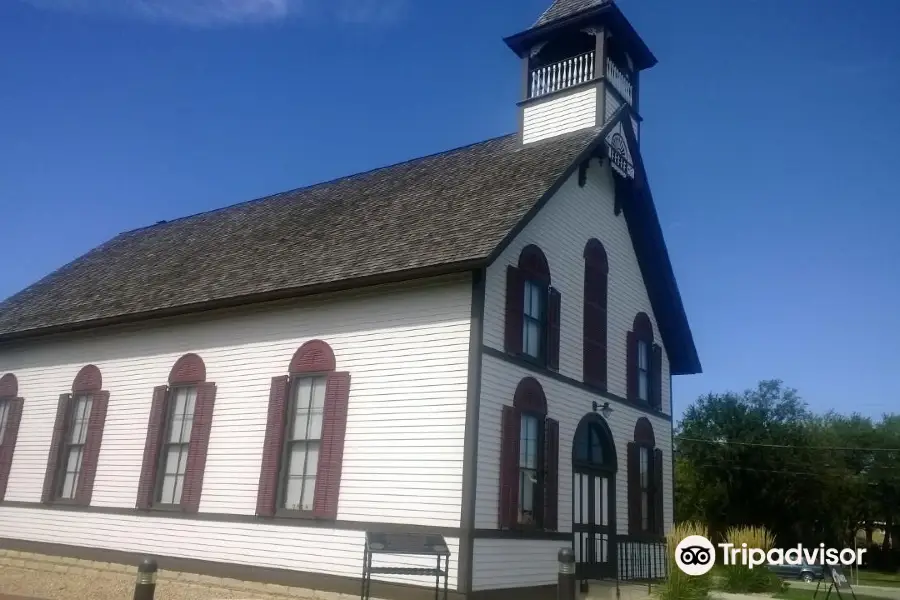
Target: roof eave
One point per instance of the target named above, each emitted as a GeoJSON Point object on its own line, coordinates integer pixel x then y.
{"type": "Point", "coordinates": [643, 58]}
{"type": "Point", "coordinates": [680, 346]}
{"type": "Point", "coordinates": [249, 299]}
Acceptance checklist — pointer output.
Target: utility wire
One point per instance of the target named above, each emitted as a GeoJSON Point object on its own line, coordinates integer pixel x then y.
{"type": "Point", "coordinates": [786, 446]}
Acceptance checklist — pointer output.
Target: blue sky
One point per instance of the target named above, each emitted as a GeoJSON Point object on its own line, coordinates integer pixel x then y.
{"type": "Point", "coordinates": [769, 136]}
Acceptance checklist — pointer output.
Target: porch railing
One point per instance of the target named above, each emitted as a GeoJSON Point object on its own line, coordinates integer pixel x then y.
{"type": "Point", "coordinates": [559, 76]}
{"type": "Point", "coordinates": [618, 80]}
{"type": "Point", "coordinates": [641, 559]}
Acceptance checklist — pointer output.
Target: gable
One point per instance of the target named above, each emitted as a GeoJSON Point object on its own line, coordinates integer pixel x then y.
{"type": "Point", "coordinates": [573, 216]}
{"type": "Point", "coordinates": [634, 198]}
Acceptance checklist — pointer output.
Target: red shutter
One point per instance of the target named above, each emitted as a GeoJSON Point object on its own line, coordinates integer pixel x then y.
{"type": "Point", "coordinates": [266, 497]}
{"type": "Point", "coordinates": [631, 368]}
{"type": "Point", "coordinates": [657, 493]}
{"type": "Point", "coordinates": [510, 424]}
{"type": "Point", "coordinates": [8, 447]}
{"type": "Point", "coordinates": [551, 475]}
{"type": "Point", "coordinates": [515, 307]}
{"type": "Point", "coordinates": [656, 377]}
{"type": "Point", "coordinates": [554, 307]}
{"type": "Point", "coordinates": [634, 488]}
{"type": "Point", "coordinates": [196, 460]}
{"type": "Point", "coordinates": [56, 441]}
{"type": "Point", "coordinates": [331, 453]}
{"type": "Point", "coordinates": [594, 338]}
{"type": "Point", "coordinates": [96, 420]}
{"type": "Point", "coordinates": [155, 429]}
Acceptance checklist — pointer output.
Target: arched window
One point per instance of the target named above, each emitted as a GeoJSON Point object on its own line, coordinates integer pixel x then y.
{"type": "Point", "coordinates": [529, 461]}
{"type": "Point", "coordinates": [644, 364]}
{"type": "Point", "coordinates": [178, 438]}
{"type": "Point", "coordinates": [532, 310]}
{"type": "Point", "coordinates": [75, 444]}
{"type": "Point", "coordinates": [304, 445]}
{"type": "Point", "coordinates": [596, 274]}
{"type": "Point", "coordinates": [645, 482]}
{"type": "Point", "coordinates": [10, 416]}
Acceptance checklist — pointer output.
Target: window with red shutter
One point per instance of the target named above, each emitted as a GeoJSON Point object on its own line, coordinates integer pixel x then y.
{"type": "Point", "coordinates": [76, 441]}
{"type": "Point", "coordinates": [640, 359]}
{"type": "Point", "coordinates": [177, 440]}
{"type": "Point", "coordinates": [532, 310]}
{"type": "Point", "coordinates": [596, 275]}
{"type": "Point", "coordinates": [11, 407]}
{"type": "Point", "coordinates": [529, 461]}
{"type": "Point", "coordinates": [304, 444]}
{"type": "Point", "coordinates": [645, 489]}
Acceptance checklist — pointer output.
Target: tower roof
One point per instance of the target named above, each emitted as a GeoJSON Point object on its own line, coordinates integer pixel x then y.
{"type": "Point", "coordinates": [561, 9]}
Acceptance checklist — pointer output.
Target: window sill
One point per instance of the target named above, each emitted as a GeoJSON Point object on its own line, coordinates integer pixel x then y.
{"type": "Point", "coordinates": [64, 502]}
{"type": "Point", "coordinates": [298, 515]}
{"type": "Point", "coordinates": [164, 508]}
{"type": "Point", "coordinates": [537, 362]}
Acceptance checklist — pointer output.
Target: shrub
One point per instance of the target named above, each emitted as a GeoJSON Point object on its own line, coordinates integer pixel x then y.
{"type": "Point", "coordinates": [741, 578]}
{"type": "Point", "coordinates": [678, 585]}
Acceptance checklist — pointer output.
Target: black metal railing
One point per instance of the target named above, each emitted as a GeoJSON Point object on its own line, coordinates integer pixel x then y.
{"type": "Point", "coordinates": [641, 559]}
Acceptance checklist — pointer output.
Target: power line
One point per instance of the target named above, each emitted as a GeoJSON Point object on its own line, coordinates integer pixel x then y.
{"type": "Point", "coordinates": [785, 446]}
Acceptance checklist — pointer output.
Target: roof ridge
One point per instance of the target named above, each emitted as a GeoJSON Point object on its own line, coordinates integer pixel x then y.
{"type": "Point", "coordinates": [313, 185]}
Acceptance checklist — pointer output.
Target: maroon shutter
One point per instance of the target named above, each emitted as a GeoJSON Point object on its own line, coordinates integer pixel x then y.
{"type": "Point", "coordinates": [56, 441]}
{"type": "Point", "coordinates": [634, 488]}
{"type": "Point", "coordinates": [96, 420]}
{"type": "Point", "coordinates": [331, 452]}
{"type": "Point", "coordinates": [551, 475]}
{"type": "Point", "coordinates": [656, 496]}
{"type": "Point", "coordinates": [8, 447]}
{"type": "Point", "coordinates": [515, 307]}
{"type": "Point", "coordinates": [656, 377]}
{"type": "Point", "coordinates": [155, 429]}
{"type": "Point", "coordinates": [554, 307]}
{"type": "Point", "coordinates": [266, 497]}
{"type": "Point", "coordinates": [594, 338]}
{"type": "Point", "coordinates": [631, 368]}
{"type": "Point", "coordinates": [196, 460]}
{"type": "Point", "coordinates": [509, 468]}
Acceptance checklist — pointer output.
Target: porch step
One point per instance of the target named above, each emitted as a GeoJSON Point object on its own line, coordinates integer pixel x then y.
{"type": "Point", "coordinates": [606, 590]}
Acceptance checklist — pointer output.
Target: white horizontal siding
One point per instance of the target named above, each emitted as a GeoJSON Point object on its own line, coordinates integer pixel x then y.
{"type": "Point", "coordinates": [568, 404]}
{"type": "Point", "coordinates": [612, 105]}
{"type": "Point", "coordinates": [500, 564]}
{"type": "Point", "coordinates": [406, 348]}
{"type": "Point", "coordinates": [560, 114]}
{"type": "Point", "coordinates": [329, 551]}
{"type": "Point", "coordinates": [561, 229]}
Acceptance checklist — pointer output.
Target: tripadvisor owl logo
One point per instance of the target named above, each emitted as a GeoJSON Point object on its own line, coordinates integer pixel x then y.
{"type": "Point", "coordinates": [696, 555]}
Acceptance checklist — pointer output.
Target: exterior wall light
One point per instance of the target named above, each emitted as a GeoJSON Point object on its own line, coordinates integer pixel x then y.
{"type": "Point", "coordinates": [605, 410]}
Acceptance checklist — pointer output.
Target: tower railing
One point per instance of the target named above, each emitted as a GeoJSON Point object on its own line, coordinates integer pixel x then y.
{"type": "Point", "coordinates": [561, 75]}
{"type": "Point", "coordinates": [618, 80]}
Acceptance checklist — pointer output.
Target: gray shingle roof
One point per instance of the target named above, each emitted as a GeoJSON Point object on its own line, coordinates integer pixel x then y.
{"type": "Point", "coordinates": [566, 8]}
{"type": "Point", "coordinates": [447, 209]}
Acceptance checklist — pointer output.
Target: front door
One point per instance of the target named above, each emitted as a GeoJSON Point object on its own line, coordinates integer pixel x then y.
{"type": "Point", "coordinates": [593, 500]}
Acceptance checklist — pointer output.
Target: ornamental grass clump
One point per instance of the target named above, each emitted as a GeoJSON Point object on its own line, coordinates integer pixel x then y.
{"type": "Point", "coordinates": [679, 585]}
{"type": "Point", "coordinates": [740, 577]}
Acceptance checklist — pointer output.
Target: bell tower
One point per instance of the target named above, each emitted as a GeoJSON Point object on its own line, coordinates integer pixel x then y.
{"type": "Point", "coordinates": [580, 64]}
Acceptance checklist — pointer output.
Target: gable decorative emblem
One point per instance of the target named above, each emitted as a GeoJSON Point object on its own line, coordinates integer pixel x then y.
{"type": "Point", "coordinates": [619, 153]}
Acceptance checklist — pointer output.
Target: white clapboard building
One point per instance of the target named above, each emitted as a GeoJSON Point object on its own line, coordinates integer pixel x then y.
{"type": "Point", "coordinates": [477, 344]}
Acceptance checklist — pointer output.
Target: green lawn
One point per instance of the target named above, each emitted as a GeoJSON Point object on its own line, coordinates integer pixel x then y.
{"type": "Point", "coordinates": [877, 578]}
{"type": "Point", "coordinates": [807, 594]}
